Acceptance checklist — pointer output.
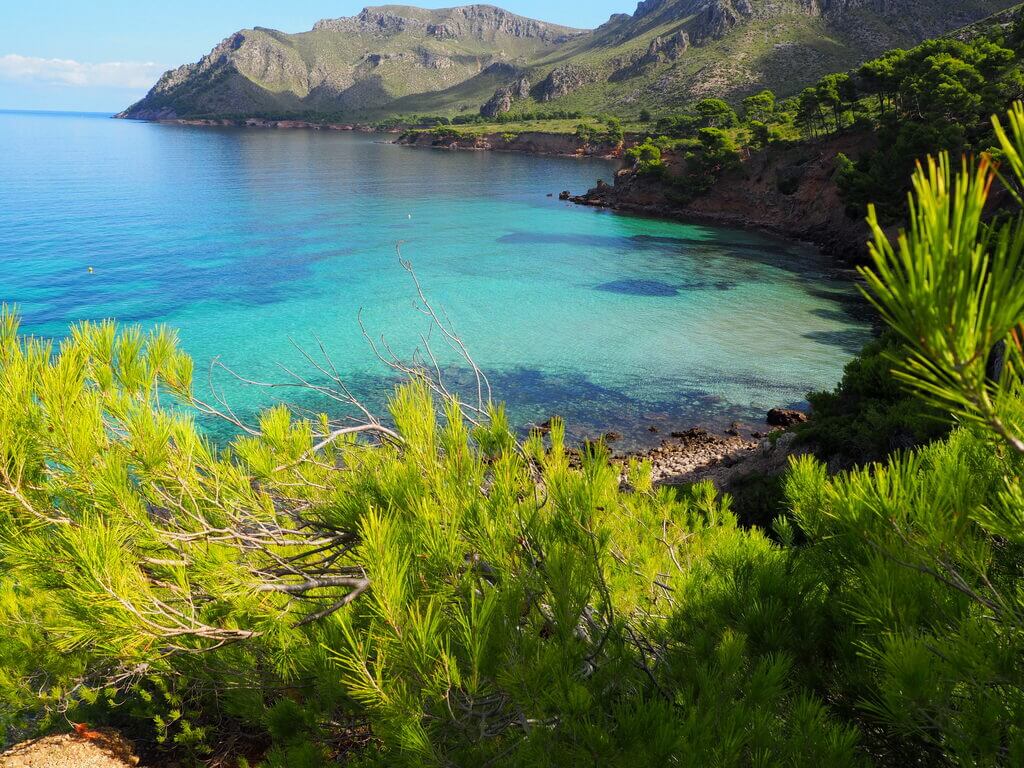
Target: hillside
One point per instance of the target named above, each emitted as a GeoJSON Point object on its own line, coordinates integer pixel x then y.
{"type": "Point", "coordinates": [392, 60]}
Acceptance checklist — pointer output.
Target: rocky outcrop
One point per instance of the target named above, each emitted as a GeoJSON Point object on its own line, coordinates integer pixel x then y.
{"type": "Point", "coordinates": [503, 99]}
{"type": "Point", "coordinates": [660, 50]}
{"type": "Point", "coordinates": [789, 190]}
{"type": "Point", "coordinates": [785, 417]}
{"type": "Point", "coordinates": [719, 18]}
{"type": "Point", "coordinates": [499, 104]}
{"type": "Point", "coordinates": [528, 142]}
{"type": "Point", "coordinates": [481, 22]}
{"type": "Point", "coordinates": [563, 81]}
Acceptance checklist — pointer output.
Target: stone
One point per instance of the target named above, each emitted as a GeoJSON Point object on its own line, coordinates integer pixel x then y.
{"type": "Point", "coordinates": [785, 417]}
{"type": "Point", "coordinates": [562, 81]}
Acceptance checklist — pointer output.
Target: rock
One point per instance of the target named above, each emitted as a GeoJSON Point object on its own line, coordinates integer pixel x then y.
{"type": "Point", "coordinates": [565, 195]}
{"type": "Point", "coordinates": [691, 434]}
{"type": "Point", "coordinates": [718, 18]}
{"type": "Point", "coordinates": [102, 748]}
{"type": "Point", "coordinates": [562, 81]}
{"type": "Point", "coordinates": [499, 104]}
{"type": "Point", "coordinates": [734, 429]}
{"type": "Point", "coordinates": [783, 417]}
{"type": "Point", "coordinates": [652, 429]}
{"type": "Point", "coordinates": [611, 437]}
{"type": "Point", "coordinates": [661, 49]}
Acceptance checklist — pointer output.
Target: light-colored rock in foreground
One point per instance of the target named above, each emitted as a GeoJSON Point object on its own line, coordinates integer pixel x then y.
{"type": "Point", "coordinates": [105, 749]}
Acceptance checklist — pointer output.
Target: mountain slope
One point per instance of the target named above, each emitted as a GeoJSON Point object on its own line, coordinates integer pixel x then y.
{"type": "Point", "coordinates": [399, 59]}
{"type": "Point", "coordinates": [350, 65]}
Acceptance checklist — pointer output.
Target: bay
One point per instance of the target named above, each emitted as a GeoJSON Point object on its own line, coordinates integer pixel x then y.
{"type": "Point", "coordinates": [256, 244]}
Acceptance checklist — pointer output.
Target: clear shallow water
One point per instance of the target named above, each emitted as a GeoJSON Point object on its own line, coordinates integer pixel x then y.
{"type": "Point", "coordinates": [247, 239]}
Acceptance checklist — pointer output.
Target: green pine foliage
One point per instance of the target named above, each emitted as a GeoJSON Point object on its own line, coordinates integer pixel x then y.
{"type": "Point", "coordinates": [935, 97]}
{"type": "Point", "coordinates": [445, 595]}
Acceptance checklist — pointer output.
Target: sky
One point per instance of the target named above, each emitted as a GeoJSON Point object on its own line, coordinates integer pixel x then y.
{"type": "Point", "coordinates": [102, 55]}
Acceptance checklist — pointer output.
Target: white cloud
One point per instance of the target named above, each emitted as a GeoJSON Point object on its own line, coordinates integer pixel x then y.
{"type": "Point", "coordinates": [110, 74]}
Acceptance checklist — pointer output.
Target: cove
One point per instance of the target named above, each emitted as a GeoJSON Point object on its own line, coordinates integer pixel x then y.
{"type": "Point", "coordinates": [252, 242]}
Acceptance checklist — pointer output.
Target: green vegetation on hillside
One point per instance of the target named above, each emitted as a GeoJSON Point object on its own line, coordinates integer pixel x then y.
{"type": "Point", "coordinates": [443, 595]}
{"type": "Point", "coordinates": [906, 104]}
{"type": "Point", "coordinates": [934, 97]}
{"type": "Point", "coordinates": [399, 60]}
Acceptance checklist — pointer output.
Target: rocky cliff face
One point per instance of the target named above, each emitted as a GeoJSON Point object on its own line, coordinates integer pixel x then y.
{"type": "Point", "coordinates": [503, 99]}
{"type": "Point", "coordinates": [482, 22]}
{"type": "Point", "coordinates": [562, 81]}
{"type": "Point", "coordinates": [354, 65]}
{"type": "Point", "coordinates": [398, 59]}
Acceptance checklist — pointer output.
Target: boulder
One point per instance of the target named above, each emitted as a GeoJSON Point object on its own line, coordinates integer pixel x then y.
{"type": "Point", "coordinates": [785, 417]}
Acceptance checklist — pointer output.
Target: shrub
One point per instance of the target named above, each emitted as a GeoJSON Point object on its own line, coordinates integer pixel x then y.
{"type": "Point", "coordinates": [426, 586]}
{"type": "Point", "coordinates": [870, 415]}
{"type": "Point", "coordinates": [647, 157]}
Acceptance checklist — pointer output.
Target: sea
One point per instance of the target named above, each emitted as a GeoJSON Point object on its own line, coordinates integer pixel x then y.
{"type": "Point", "coordinates": [278, 255]}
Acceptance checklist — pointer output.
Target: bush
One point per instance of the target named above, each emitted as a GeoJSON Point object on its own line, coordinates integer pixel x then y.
{"type": "Point", "coordinates": [647, 157]}
{"type": "Point", "coordinates": [443, 600]}
{"type": "Point", "coordinates": [870, 415]}
{"type": "Point", "coordinates": [760, 135]}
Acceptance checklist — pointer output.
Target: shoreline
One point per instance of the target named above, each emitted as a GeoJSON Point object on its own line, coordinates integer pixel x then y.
{"type": "Point", "coordinates": [255, 122]}
{"type": "Point", "coordinates": [536, 143]}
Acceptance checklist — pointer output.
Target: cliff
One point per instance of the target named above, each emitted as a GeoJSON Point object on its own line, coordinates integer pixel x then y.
{"type": "Point", "coordinates": [786, 189]}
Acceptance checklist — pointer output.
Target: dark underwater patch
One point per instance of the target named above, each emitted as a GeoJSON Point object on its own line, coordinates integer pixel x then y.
{"type": "Point", "coordinates": [642, 287]}
{"type": "Point", "coordinates": [639, 288]}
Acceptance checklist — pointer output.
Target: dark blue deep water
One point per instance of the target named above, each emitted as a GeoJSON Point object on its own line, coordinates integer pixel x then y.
{"type": "Point", "coordinates": [250, 240]}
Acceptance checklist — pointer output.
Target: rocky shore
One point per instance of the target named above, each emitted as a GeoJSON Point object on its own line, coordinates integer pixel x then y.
{"type": "Point", "coordinates": [788, 190]}
{"type": "Point", "coordinates": [698, 454]}
{"type": "Point", "coordinates": [528, 142]}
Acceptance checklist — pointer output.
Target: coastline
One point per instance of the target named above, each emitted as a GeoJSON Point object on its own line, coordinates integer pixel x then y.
{"type": "Point", "coordinates": [787, 190]}
{"type": "Point", "coordinates": [539, 143]}
{"type": "Point", "coordinates": [254, 122]}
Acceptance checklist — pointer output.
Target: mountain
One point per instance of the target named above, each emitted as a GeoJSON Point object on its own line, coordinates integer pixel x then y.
{"type": "Point", "coordinates": [394, 59]}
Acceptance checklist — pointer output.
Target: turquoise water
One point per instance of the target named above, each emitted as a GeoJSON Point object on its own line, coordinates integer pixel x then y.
{"type": "Point", "coordinates": [248, 240]}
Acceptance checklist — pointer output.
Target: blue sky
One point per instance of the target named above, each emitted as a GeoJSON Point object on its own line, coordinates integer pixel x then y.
{"type": "Point", "coordinates": [101, 55]}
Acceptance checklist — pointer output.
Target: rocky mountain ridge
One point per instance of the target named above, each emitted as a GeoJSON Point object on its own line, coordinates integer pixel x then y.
{"type": "Point", "coordinates": [392, 60]}
{"type": "Point", "coordinates": [484, 22]}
